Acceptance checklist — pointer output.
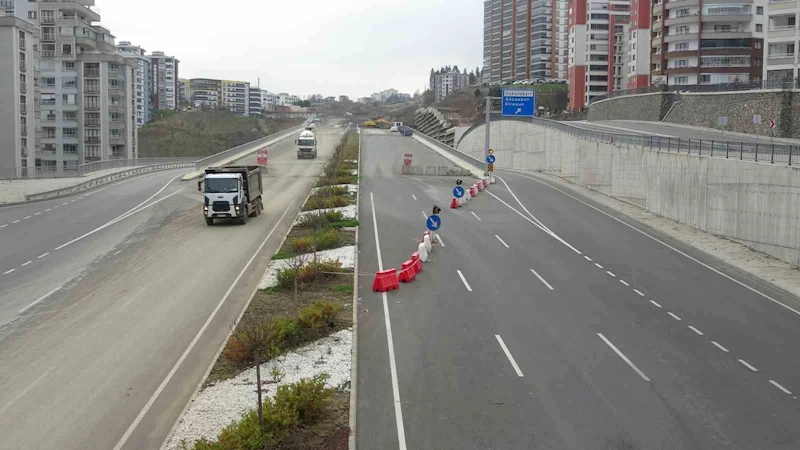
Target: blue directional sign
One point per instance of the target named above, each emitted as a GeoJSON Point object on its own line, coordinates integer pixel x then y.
{"type": "Point", "coordinates": [458, 192]}
{"type": "Point", "coordinates": [434, 222]}
{"type": "Point", "coordinates": [491, 159]}
{"type": "Point", "coordinates": [519, 102]}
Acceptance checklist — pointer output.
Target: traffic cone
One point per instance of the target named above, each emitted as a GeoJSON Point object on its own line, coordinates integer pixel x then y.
{"type": "Point", "coordinates": [454, 204]}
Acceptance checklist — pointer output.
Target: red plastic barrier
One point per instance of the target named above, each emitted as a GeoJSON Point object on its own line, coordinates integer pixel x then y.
{"type": "Point", "coordinates": [408, 272]}
{"type": "Point", "coordinates": [485, 183]}
{"type": "Point", "coordinates": [386, 281]}
{"type": "Point", "coordinates": [480, 186]}
{"type": "Point", "coordinates": [454, 204]}
{"type": "Point", "coordinates": [417, 262]}
{"type": "Point", "coordinates": [472, 192]}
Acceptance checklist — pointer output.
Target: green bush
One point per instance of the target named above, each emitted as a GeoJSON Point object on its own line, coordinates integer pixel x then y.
{"type": "Point", "coordinates": [315, 202]}
{"type": "Point", "coordinates": [331, 191]}
{"type": "Point", "coordinates": [308, 273]}
{"type": "Point", "coordinates": [285, 332]}
{"type": "Point", "coordinates": [309, 220]}
{"type": "Point", "coordinates": [308, 398]}
{"type": "Point", "coordinates": [342, 224]}
{"type": "Point", "coordinates": [343, 288]}
{"type": "Point", "coordinates": [328, 239]}
{"type": "Point", "coordinates": [319, 315]}
{"type": "Point", "coordinates": [303, 244]}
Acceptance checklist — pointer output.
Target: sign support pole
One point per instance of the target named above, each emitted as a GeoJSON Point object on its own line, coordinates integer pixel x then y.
{"type": "Point", "coordinates": [488, 123]}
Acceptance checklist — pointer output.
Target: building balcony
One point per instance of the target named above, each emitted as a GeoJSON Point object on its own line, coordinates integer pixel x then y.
{"type": "Point", "coordinates": [47, 20]}
{"type": "Point", "coordinates": [734, 17]}
{"type": "Point", "coordinates": [48, 37]}
{"type": "Point", "coordinates": [72, 5]}
{"type": "Point", "coordinates": [92, 123]}
{"type": "Point", "coordinates": [679, 53]}
{"type": "Point", "coordinates": [726, 34]}
{"type": "Point", "coordinates": [782, 31]}
{"type": "Point", "coordinates": [680, 3]}
{"type": "Point", "coordinates": [91, 73]}
{"type": "Point", "coordinates": [780, 59]}
{"type": "Point", "coordinates": [92, 108]}
{"type": "Point", "coordinates": [726, 50]}
{"type": "Point", "coordinates": [92, 90]}
{"type": "Point", "coordinates": [682, 37]}
{"type": "Point", "coordinates": [92, 140]}
{"type": "Point", "coordinates": [781, 5]}
{"type": "Point", "coordinates": [683, 69]}
{"type": "Point", "coordinates": [656, 26]}
{"type": "Point", "coordinates": [49, 118]}
{"type": "Point", "coordinates": [689, 18]}
{"type": "Point", "coordinates": [657, 7]}
{"type": "Point", "coordinates": [85, 41]}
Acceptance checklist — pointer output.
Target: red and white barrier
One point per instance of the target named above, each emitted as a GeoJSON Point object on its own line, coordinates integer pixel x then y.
{"type": "Point", "coordinates": [454, 204]}
{"type": "Point", "coordinates": [485, 183]}
{"type": "Point", "coordinates": [386, 281]}
{"type": "Point", "coordinates": [408, 272]}
{"type": "Point", "coordinates": [423, 252]}
{"type": "Point", "coordinates": [417, 261]}
{"type": "Point", "coordinates": [426, 239]}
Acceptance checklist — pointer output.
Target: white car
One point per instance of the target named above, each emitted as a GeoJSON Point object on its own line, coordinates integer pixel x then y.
{"type": "Point", "coordinates": [393, 129]}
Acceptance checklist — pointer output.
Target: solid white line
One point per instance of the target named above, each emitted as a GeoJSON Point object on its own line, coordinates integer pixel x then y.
{"type": "Point", "coordinates": [415, 197]}
{"type": "Point", "coordinates": [523, 206]}
{"type": "Point", "coordinates": [669, 247]}
{"type": "Point", "coordinates": [25, 264]}
{"type": "Point", "coordinates": [4, 225]}
{"type": "Point", "coordinates": [624, 358]}
{"type": "Point", "coordinates": [501, 241]}
{"type": "Point", "coordinates": [588, 259]}
{"type": "Point", "coordinates": [25, 391]}
{"type": "Point", "coordinates": [48, 210]}
{"type": "Point", "coordinates": [16, 221]}
{"type": "Point", "coordinates": [42, 256]}
{"type": "Point", "coordinates": [746, 364]}
{"type": "Point", "coordinates": [118, 219]}
{"type": "Point", "coordinates": [638, 292]}
{"type": "Point", "coordinates": [719, 346]}
{"type": "Point", "coordinates": [674, 316]}
{"type": "Point", "coordinates": [542, 280]}
{"type": "Point", "coordinates": [439, 238]}
{"type": "Point", "coordinates": [398, 411]}
{"type": "Point", "coordinates": [39, 300]}
{"type": "Point", "coordinates": [541, 227]}
{"type": "Point", "coordinates": [785, 391]}
{"type": "Point", "coordinates": [8, 271]}
{"type": "Point", "coordinates": [117, 253]}
{"type": "Point", "coordinates": [611, 274]}
{"type": "Point", "coordinates": [508, 355]}
{"type": "Point", "coordinates": [196, 338]}
{"type": "Point", "coordinates": [476, 216]}
{"type": "Point", "coordinates": [624, 282]}
{"type": "Point", "coordinates": [38, 213]}
{"type": "Point", "coordinates": [27, 218]}
{"type": "Point", "coordinates": [424, 215]}
{"type": "Point", "coordinates": [464, 280]}
{"type": "Point", "coordinates": [653, 302]}
{"type": "Point", "coordinates": [598, 266]}
{"type": "Point", "coordinates": [695, 330]}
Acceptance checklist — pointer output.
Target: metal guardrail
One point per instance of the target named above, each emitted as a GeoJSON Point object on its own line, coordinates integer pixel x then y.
{"type": "Point", "coordinates": [85, 169]}
{"type": "Point", "coordinates": [722, 87]}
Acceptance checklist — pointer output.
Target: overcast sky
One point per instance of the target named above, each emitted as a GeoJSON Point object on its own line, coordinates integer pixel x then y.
{"type": "Point", "coordinates": [306, 46]}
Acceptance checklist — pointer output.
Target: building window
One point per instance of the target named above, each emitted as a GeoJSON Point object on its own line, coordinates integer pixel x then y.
{"type": "Point", "coordinates": [66, 49]}
{"type": "Point", "coordinates": [682, 12]}
{"type": "Point", "coordinates": [68, 99]}
{"type": "Point", "coordinates": [681, 80]}
{"type": "Point", "coordinates": [757, 44]}
{"type": "Point", "coordinates": [32, 15]}
{"type": "Point", "coordinates": [760, 10]}
{"type": "Point", "coordinates": [91, 101]}
{"type": "Point", "coordinates": [70, 132]}
{"type": "Point", "coordinates": [683, 46]}
{"type": "Point", "coordinates": [69, 66]}
{"type": "Point", "coordinates": [682, 63]}
{"type": "Point", "coordinates": [685, 29]}
{"type": "Point", "coordinates": [759, 27]}
{"type": "Point", "coordinates": [70, 115]}
{"type": "Point", "coordinates": [70, 149]}
{"type": "Point", "coordinates": [48, 99]}
{"type": "Point", "coordinates": [92, 152]}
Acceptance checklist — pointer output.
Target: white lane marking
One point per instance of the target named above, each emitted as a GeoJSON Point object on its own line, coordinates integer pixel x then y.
{"type": "Point", "coordinates": [65, 204]}
{"type": "Point", "coordinates": [398, 410]}
{"type": "Point", "coordinates": [117, 253]}
{"type": "Point", "coordinates": [611, 274]}
{"type": "Point", "coordinates": [719, 346]}
{"type": "Point", "coordinates": [57, 206]}
{"type": "Point", "coordinates": [777, 385]}
{"type": "Point", "coordinates": [638, 292]}
{"type": "Point", "coordinates": [25, 391]}
{"type": "Point", "coordinates": [748, 365]}
{"type": "Point", "coordinates": [16, 221]}
{"type": "Point", "coordinates": [464, 280]}
{"type": "Point", "coordinates": [38, 213]}
{"type": "Point", "coordinates": [674, 316]}
{"type": "Point", "coordinates": [119, 219]}
{"type": "Point", "coordinates": [476, 216]}
{"type": "Point", "coordinates": [542, 280]}
{"type": "Point", "coordinates": [541, 227]}
{"type": "Point", "coordinates": [9, 271]}
{"type": "Point", "coordinates": [656, 304]}
{"type": "Point", "coordinates": [415, 197]}
{"type": "Point", "coordinates": [508, 355]}
{"type": "Point", "coordinates": [40, 300]}
{"type": "Point", "coordinates": [73, 201]}
{"type": "Point", "coordinates": [588, 259]}
{"type": "Point", "coordinates": [4, 225]}
{"type": "Point", "coordinates": [196, 338]}
{"type": "Point", "coordinates": [598, 266]}
{"type": "Point", "coordinates": [439, 238]}
{"type": "Point", "coordinates": [42, 256]}
{"type": "Point", "coordinates": [695, 330]}
{"type": "Point", "coordinates": [28, 217]}
{"type": "Point", "coordinates": [624, 282]}
{"type": "Point", "coordinates": [25, 264]}
{"type": "Point", "coordinates": [501, 241]}
{"type": "Point", "coordinates": [424, 215]}
{"type": "Point", "coordinates": [624, 358]}
{"type": "Point", "coordinates": [48, 210]}
{"type": "Point", "coordinates": [669, 247]}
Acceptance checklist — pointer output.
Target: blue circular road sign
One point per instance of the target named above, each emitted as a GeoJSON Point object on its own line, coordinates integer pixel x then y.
{"type": "Point", "coordinates": [434, 222]}
{"type": "Point", "coordinates": [491, 159]}
{"type": "Point", "coordinates": [458, 192]}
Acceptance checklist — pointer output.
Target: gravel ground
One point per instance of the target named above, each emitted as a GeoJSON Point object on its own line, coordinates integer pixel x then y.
{"type": "Point", "coordinates": [12, 191]}
{"type": "Point", "coordinates": [351, 188]}
{"type": "Point", "coordinates": [346, 255]}
{"type": "Point", "coordinates": [348, 212]}
{"type": "Point", "coordinates": [218, 405]}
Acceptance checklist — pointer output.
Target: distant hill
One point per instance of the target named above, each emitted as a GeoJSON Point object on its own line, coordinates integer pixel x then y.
{"type": "Point", "coordinates": [204, 133]}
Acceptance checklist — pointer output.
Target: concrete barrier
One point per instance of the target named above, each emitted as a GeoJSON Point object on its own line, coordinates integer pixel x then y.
{"type": "Point", "coordinates": [440, 171]}
{"type": "Point", "coordinates": [755, 203]}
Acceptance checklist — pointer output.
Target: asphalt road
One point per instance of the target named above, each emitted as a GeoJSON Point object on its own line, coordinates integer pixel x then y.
{"type": "Point", "coordinates": [111, 358]}
{"type": "Point", "coordinates": [628, 127]}
{"type": "Point", "coordinates": [618, 341]}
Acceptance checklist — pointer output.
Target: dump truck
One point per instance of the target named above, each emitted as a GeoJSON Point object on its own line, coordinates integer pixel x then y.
{"type": "Point", "coordinates": [231, 192]}
{"type": "Point", "coordinates": [306, 145]}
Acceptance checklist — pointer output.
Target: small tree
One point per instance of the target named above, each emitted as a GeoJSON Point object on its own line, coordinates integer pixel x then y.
{"type": "Point", "coordinates": [296, 264]}
{"type": "Point", "coordinates": [255, 333]}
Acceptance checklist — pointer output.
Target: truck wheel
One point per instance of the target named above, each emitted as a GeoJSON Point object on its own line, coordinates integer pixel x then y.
{"type": "Point", "coordinates": [209, 221]}
{"type": "Point", "coordinates": [259, 208]}
{"type": "Point", "coordinates": [243, 220]}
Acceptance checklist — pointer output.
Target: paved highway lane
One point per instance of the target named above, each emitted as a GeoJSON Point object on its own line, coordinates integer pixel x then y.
{"type": "Point", "coordinates": [111, 360]}
{"type": "Point", "coordinates": [620, 341]}
{"type": "Point", "coordinates": [628, 127]}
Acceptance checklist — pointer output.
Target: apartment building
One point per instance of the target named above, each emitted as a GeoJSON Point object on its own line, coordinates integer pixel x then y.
{"type": "Point", "coordinates": [143, 85]}
{"type": "Point", "coordinates": [184, 90]}
{"type": "Point", "coordinates": [525, 39]}
{"type": "Point", "coordinates": [781, 41]}
{"type": "Point", "coordinates": [598, 31]}
{"type": "Point", "coordinates": [708, 41]}
{"type": "Point", "coordinates": [19, 91]}
{"type": "Point", "coordinates": [638, 45]}
{"type": "Point", "coordinates": [256, 101]}
{"type": "Point", "coordinates": [446, 83]}
{"type": "Point", "coordinates": [204, 92]}
{"type": "Point", "coordinates": [269, 101]}
{"type": "Point", "coordinates": [165, 81]}
{"type": "Point", "coordinates": [382, 96]}
{"type": "Point", "coordinates": [235, 97]}
{"type": "Point", "coordinates": [285, 99]}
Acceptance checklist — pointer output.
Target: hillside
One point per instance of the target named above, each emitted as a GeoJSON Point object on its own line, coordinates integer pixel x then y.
{"type": "Point", "coordinates": [202, 133]}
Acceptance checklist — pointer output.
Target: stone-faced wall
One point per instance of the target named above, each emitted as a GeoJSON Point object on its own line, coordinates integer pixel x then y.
{"type": "Point", "coordinates": [650, 107]}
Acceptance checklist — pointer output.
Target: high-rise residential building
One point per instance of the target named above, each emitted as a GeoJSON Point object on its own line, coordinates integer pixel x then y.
{"type": "Point", "coordinates": [144, 78]}
{"type": "Point", "coordinates": [781, 41]}
{"type": "Point", "coordinates": [269, 101]}
{"type": "Point", "coordinates": [236, 97]}
{"type": "Point", "coordinates": [598, 31]}
{"type": "Point", "coordinates": [88, 102]}
{"type": "Point", "coordinates": [165, 81]}
{"type": "Point", "coordinates": [638, 45]}
{"type": "Point", "coordinates": [184, 90]}
{"type": "Point", "coordinates": [256, 101]}
{"type": "Point", "coordinates": [19, 91]}
{"type": "Point", "coordinates": [708, 41]}
{"type": "Point", "coordinates": [204, 92]}
{"type": "Point", "coordinates": [445, 84]}
{"type": "Point", "coordinates": [525, 39]}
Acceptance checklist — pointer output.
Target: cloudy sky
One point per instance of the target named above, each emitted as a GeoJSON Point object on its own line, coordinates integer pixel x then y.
{"type": "Point", "coordinates": [304, 47]}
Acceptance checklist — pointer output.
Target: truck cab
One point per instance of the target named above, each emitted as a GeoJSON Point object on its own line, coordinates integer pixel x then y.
{"type": "Point", "coordinates": [231, 193]}
{"type": "Point", "coordinates": [306, 145]}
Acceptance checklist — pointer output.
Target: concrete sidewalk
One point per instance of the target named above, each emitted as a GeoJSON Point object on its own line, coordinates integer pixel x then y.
{"type": "Point", "coordinates": [15, 191]}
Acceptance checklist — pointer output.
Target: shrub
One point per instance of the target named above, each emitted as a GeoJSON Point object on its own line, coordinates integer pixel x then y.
{"type": "Point", "coordinates": [341, 224]}
{"type": "Point", "coordinates": [236, 351]}
{"type": "Point", "coordinates": [303, 244]}
{"type": "Point", "coordinates": [282, 255]}
{"type": "Point", "coordinates": [328, 239]}
{"type": "Point", "coordinates": [319, 315]}
{"type": "Point", "coordinates": [308, 398]}
{"type": "Point", "coordinates": [308, 273]}
{"type": "Point", "coordinates": [315, 203]}
{"type": "Point", "coordinates": [344, 179]}
{"type": "Point", "coordinates": [285, 332]}
{"type": "Point", "coordinates": [340, 190]}
{"type": "Point", "coordinates": [343, 288]}
{"type": "Point", "coordinates": [242, 435]}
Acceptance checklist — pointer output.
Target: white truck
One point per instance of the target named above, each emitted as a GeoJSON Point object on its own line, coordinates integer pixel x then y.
{"type": "Point", "coordinates": [306, 145]}
{"type": "Point", "coordinates": [231, 192]}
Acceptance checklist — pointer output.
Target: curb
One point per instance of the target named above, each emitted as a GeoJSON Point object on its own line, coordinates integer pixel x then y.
{"type": "Point", "coordinates": [354, 357]}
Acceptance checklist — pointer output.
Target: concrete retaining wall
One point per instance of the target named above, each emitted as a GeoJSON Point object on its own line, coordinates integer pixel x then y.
{"type": "Point", "coordinates": [633, 107]}
{"type": "Point", "coordinates": [757, 204]}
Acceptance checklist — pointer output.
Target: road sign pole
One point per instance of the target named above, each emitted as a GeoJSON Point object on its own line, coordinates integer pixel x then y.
{"type": "Point", "coordinates": [488, 123]}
